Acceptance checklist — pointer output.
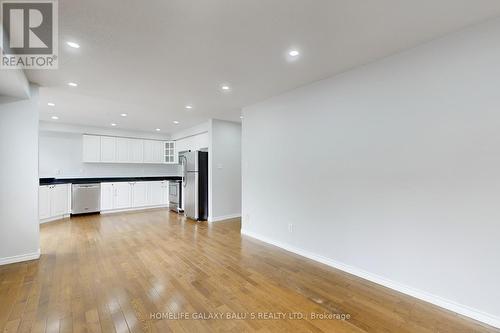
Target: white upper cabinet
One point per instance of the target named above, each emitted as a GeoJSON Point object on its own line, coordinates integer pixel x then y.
{"type": "Point", "coordinates": [136, 151]}
{"type": "Point", "coordinates": [108, 149]}
{"type": "Point", "coordinates": [148, 156]}
{"type": "Point", "coordinates": [123, 150]}
{"type": "Point", "coordinates": [154, 151]}
{"type": "Point", "coordinates": [91, 148]}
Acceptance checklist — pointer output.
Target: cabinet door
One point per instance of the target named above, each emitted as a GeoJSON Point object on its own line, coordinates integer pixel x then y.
{"type": "Point", "coordinates": [159, 152]}
{"type": "Point", "coordinates": [123, 150]}
{"type": "Point", "coordinates": [91, 148]}
{"type": "Point", "coordinates": [148, 151]}
{"type": "Point", "coordinates": [164, 193]}
{"type": "Point", "coordinates": [59, 200]}
{"type": "Point", "coordinates": [44, 202]}
{"type": "Point", "coordinates": [123, 195]}
{"type": "Point", "coordinates": [136, 151]}
{"type": "Point", "coordinates": [139, 194]}
{"type": "Point", "coordinates": [155, 194]}
{"type": "Point", "coordinates": [107, 196]}
{"type": "Point", "coordinates": [108, 149]}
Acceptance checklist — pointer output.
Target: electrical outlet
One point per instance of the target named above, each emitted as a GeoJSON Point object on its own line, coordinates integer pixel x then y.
{"type": "Point", "coordinates": [290, 227]}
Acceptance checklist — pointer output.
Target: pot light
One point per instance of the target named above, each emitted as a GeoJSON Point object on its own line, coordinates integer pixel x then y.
{"type": "Point", "coordinates": [54, 117]}
{"type": "Point", "coordinates": [225, 87]}
{"type": "Point", "coordinates": [113, 124]}
{"type": "Point", "coordinates": [293, 53]}
{"type": "Point", "coordinates": [73, 84]}
{"type": "Point", "coordinates": [73, 45]}
{"type": "Point", "coordinates": [51, 104]}
{"type": "Point", "coordinates": [241, 117]}
{"type": "Point", "coordinates": [123, 114]}
{"type": "Point", "coordinates": [157, 129]}
{"type": "Point", "coordinates": [176, 122]}
{"type": "Point", "coordinates": [189, 107]}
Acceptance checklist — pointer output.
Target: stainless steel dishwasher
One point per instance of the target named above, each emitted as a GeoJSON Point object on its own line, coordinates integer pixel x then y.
{"type": "Point", "coordinates": [86, 198]}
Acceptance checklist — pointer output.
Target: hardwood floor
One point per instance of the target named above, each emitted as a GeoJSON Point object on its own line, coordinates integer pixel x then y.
{"type": "Point", "coordinates": [128, 272]}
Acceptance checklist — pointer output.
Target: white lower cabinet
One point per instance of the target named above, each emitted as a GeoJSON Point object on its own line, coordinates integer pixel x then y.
{"type": "Point", "coordinates": [107, 196]}
{"type": "Point", "coordinates": [139, 194]}
{"type": "Point", "coordinates": [123, 195]}
{"type": "Point", "coordinates": [54, 202]}
{"type": "Point", "coordinates": [133, 195]}
{"type": "Point", "coordinates": [44, 202]}
{"type": "Point", "coordinates": [158, 193]}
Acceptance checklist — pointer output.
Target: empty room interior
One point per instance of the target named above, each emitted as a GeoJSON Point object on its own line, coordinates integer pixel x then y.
{"type": "Point", "coordinates": [250, 166]}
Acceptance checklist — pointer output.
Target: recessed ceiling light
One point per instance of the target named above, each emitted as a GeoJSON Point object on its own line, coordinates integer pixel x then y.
{"type": "Point", "coordinates": [51, 104]}
{"type": "Point", "coordinates": [241, 117]}
{"type": "Point", "coordinates": [225, 87]}
{"type": "Point", "coordinates": [188, 107]}
{"type": "Point", "coordinates": [73, 84]}
{"type": "Point", "coordinates": [123, 114]}
{"type": "Point", "coordinates": [73, 45]}
{"type": "Point", "coordinates": [176, 122]}
{"type": "Point", "coordinates": [293, 53]}
{"type": "Point", "coordinates": [113, 124]}
{"type": "Point", "coordinates": [158, 130]}
{"type": "Point", "coordinates": [54, 117]}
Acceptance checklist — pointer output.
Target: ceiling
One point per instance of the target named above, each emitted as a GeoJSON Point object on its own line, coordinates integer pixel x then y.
{"type": "Point", "coordinates": [150, 59]}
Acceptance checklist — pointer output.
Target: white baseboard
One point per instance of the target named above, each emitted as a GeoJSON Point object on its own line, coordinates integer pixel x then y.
{"type": "Point", "coordinates": [223, 218]}
{"type": "Point", "coordinates": [132, 209]}
{"type": "Point", "coordinates": [422, 295]}
{"type": "Point", "coordinates": [55, 218]}
{"type": "Point", "coordinates": [20, 258]}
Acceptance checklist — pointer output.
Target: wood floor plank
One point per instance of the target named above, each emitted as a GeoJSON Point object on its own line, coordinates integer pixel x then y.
{"type": "Point", "coordinates": [127, 272]}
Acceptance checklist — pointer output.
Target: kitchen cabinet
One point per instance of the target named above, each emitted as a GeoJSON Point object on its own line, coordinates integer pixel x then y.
{"type": "Point", "coordinates": [107, 196]}
{"type": "Point", "coordinates": [54, 202]}
{"type": "Point", "coordinates": [164, 193]}
{"type": "Point", "coordinates": [158, 193]}
{"type": "Point", "coordinates": [44, 202]}
{"type": "Point", "coordinates": [170, 155]}
{"type": "Point", "coordinates": [91, 148]}
{"type": "Point", "coordinates": [133, 195]}
{"type": "Point", "coordinates": [154, 151]}
{"type": "Point", "coordinates": [139, 194]}
{"type": "Point", "coordinates": [123, 150]}
{"type": "Point", "coordinates": [136, 151]}
{"type": "Point", "coordinates": [108, 149]}
{"type": "Point", "coordinates": [123, 195]}
{"type": "Point", "coordinates": [148, 151]}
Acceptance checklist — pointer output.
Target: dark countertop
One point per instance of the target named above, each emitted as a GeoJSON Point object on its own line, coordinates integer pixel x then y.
{"type": "Point", "coordinates": [55, 181]}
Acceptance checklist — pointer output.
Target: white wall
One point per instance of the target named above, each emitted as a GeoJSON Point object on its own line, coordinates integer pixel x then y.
{"type": "Point", "coordinates": [19, 228]}
{"type": "Point", "coordinates": [390, 171]}
{"type": "Point", "coordinates": [224, 170]}
{"type": "Point", "coordinates": [191, 131]}
{"type": "Point", "coordinates": [61, 157]}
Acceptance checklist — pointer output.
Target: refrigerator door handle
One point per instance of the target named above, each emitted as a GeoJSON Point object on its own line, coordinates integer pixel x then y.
{"type": "Point", "coordinates": [184, 170]}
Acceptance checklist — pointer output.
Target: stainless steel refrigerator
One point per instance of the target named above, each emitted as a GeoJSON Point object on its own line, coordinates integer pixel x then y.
{"type": "Point", "coordinates": [195, 184]}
